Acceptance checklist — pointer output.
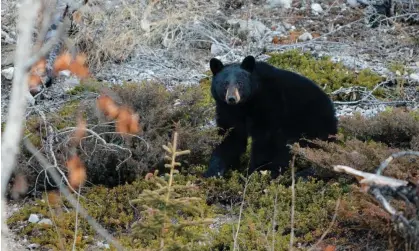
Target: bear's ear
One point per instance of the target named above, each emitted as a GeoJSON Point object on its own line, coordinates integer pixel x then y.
{"type": "Point", "coordinates": [216, 66]}
{"type": "Point", "coordinates": [248, 63]}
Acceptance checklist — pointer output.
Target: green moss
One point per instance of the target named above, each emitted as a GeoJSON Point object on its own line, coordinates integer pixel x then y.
{"type": "Point", "coordinates": [67, 115]}
{"type": "Point", "coordinates": [110, 207]}
{"type": "Point", "coordinates": [88, 85]}
{"type": "Point", "coordinates": [329, 75]}
{"type": "Point", "coordinates": [315, 202]}
{"type": "Point", "coordinates": [32, 131]}
{"type": "Point", "coordinates": [205, 86]}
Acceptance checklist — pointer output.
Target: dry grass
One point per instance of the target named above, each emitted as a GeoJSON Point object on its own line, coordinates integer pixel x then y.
{"type": "Point", "coordinates": [395, 128]}
{"type": "Point", "coordinates": [113, 159]}
{"type": "Point", "coordinates": [114, 31]}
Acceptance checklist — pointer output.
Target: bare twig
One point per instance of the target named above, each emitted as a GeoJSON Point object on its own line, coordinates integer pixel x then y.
{"type": "Point", "coordinates": [97, 136]}
{"type": "Point", "coordinates": [236, 236]}
{"type": "Point", "coordinates": [328, 229]}
{"type": "Point", "coordinates": [386, 162]}
{"type": "Point", "coordinates": [292, 203]}
{"type": "Point", "coordinates": [13, 132]}
{"type": "Point", "coordinates": [77, 220]}
{"type": "Point", "coordinates": [56, 177]}
{"type": "Point", "coordinates": [274, 219]}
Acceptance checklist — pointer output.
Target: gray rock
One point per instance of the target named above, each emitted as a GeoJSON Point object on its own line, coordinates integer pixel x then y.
{"type": "Point", "coordinates": [33, 246]}
{"type": "Point", "coordinates": [216, 49]}
{"type": "Point", "coordinates": [45, 221]}
{"type": "Point", "coordinates": [305, 37]}
{"type": "Point", "coordinates": [281, 29]}
{"type": "Point", "coordinates": [414, 77]}
{"type": "Point", "coordinates": [33, 218]}
{"type": "Point", "coordinates": [316, 8]}
{"type": "Point", "coordinates": [287, 26]}
{"type": "Point", "coordinates": [70, 83]}
{"type": "Point", "coordinates": [8, 73]}
{"type": "Point", "coordinates": [253, 28]}
{"type": "Point", "coordinates": [352, 3]}
{"type": "Point", "coordinates": [103, 245]}
{"type": "Point", "coordinates": [286, 4]}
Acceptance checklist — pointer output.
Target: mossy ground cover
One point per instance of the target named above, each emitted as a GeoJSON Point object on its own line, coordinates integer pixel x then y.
{"type": "Point", "coordinates": [265, 215]}
{"type": "Point", "coordinates": [329, 75]}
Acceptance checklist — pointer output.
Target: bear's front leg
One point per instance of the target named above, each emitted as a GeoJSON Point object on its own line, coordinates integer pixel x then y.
{"type": "Point", "coordinates": [233, 145]}
{"type": "Point", "coordinates": [228, 152]}
{"type": "Point", "coordinates": [269, 152]}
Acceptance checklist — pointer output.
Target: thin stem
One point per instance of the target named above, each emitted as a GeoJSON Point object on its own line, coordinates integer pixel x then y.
{"type": "Point", "coordinates": [292, 203]}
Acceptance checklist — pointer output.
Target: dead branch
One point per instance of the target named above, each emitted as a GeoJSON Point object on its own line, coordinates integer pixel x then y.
{"type": "Point", "coordinates": [377, 185]}
{"type": "Point", "coordinates": [57, 179]}
{"type": "Point", "coordinates": [370, 178]}
{"type": "Point", "coordinates": [17, 105]}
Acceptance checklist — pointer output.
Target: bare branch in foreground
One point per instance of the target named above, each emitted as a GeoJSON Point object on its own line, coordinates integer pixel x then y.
{"type": "Point", "coordinates": [57, 179]}
{"type": "Point", "coordinates": [370, 178]}
{"type": "Point", "coordinates": [376, 185]}
{"type": "Point", "coordinates": [13, 132]}
{"type": "Point", "coordinates": [292, 202]}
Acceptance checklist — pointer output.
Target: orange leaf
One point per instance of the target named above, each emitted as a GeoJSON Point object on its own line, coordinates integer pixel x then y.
{"type": "Point", "coordinates": [315, 34]}
{"type": "Point", "coordinates": [20, 186]}
{"type": "Point", "coordinates": [128, 122]}
{"type": "Point", "coordinates": [77, 17]}
{"type": "Point", "coordinates": [107, 106]}
{"type": "Point", "coordinates": [53, 198]}
{"type": "Point", "coordinates": [330, 248]}
{"type": "Point", "coordinates": [37, 71]}
{"type": "Point", "coordinates": [80, 130]}
{"type": "Point", "coordinates": [294, 36]}
{"type": "Point", "coordinates": [77, 172]}
{"type": "Point", "coordinates": [76, 66]}
{"type": "Point", "coordinates": [62, 62]}
{"type": "Point", "coordinates": [134, 126]}
{"type": "Point", "coordinates": [124, 120]}
{"type": "Point", "coordinates": [275, 40]}
{"type": "Point", "coordinates": [148, 176]}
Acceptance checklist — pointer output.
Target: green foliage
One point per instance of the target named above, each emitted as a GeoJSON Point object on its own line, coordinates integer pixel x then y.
{"type": "Point", "coordinates": [393, 127]}
{"type": "Point", "coordinates": [175, 208]}
{"type": "Point", "coordinates": [205, 86]}
{"type": "Point", "coordinates": [60, 235]}
{"type": "Point", "coordinates": [88, 85]}
{"type": "Point", "coordinates": [323, 71]}
{"type": "Point", "coordinates": [169, 220]}
{"type": "Point", "coordinates": [268, 203]}
{"type": "Point", "coordinates": [157, 107]}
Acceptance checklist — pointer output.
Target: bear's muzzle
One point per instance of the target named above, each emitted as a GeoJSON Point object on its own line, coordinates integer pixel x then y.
{"type": "Point", "coordinates": [232, 95]}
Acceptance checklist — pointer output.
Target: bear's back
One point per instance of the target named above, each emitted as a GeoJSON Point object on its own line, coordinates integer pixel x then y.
{"type": "Point", "coordinates": [299, 102]}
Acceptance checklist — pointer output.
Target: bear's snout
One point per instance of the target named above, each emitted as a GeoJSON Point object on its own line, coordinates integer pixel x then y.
{"type": "Point", "coordinates": [232, 95]}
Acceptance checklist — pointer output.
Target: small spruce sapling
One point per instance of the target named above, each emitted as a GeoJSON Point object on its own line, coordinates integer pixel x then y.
{"type": "Point", "coordinates": [164, 209]}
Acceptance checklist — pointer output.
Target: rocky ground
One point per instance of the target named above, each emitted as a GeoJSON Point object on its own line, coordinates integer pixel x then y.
{"type": "Point", "coordinates": [335, 28]}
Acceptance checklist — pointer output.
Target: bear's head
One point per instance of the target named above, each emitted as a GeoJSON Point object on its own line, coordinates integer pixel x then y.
{"type": "Point", "coordinates": [232, 83]}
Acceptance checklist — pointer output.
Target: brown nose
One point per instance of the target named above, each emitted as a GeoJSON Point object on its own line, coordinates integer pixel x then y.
{"type": "Point", "coordinates": [232, 95]}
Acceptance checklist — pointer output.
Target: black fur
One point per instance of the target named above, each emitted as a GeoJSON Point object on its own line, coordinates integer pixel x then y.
{"type": "Point", "coordinates": [276, 107]}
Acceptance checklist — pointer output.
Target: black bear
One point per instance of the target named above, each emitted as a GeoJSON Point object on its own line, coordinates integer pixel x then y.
{"type": "Point", "coordinates": [273, 106]}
